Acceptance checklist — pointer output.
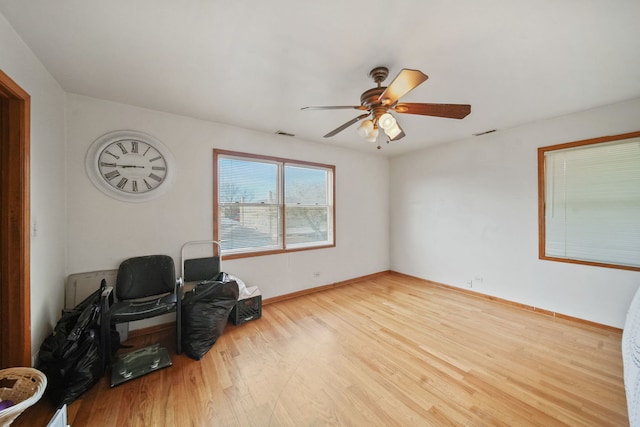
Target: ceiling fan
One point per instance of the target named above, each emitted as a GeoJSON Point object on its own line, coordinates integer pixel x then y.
{"type": "Point", "coordinates": [380, 100]}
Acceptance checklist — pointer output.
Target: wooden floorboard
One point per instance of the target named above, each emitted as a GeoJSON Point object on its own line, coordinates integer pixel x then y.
{"type": "Point", "coordinates": [387, 351]}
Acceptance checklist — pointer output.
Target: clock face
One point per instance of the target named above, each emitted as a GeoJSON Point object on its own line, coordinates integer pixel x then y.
{"type": "Point", "coordinates": [130, 166]}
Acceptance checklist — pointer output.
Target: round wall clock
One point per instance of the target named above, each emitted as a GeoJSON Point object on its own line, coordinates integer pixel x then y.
{"type": "Point", "coordinates": [130, 166]}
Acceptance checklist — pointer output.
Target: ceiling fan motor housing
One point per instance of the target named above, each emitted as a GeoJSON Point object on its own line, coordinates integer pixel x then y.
{"type": "Point", "coordinates": [371, 97]}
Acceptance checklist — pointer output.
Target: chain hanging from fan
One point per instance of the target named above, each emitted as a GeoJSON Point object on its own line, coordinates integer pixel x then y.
{"type": "Point", "coordinates": [380, 100]}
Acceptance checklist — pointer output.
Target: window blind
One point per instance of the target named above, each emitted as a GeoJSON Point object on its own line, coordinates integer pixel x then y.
{"type": "Point", "coordinates": [269, 205]}
{"type": "Point", "coordinates": [592, 203]}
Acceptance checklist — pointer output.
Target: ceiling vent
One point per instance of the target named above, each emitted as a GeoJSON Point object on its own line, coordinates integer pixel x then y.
{"type": "Point", "coordinates": [484, 133]}
{"type": "Point", "coordinates": [283, 133]}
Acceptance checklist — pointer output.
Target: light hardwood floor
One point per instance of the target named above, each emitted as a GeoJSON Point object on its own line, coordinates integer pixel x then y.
{"type": "Point", "coordinates": [388, 351]}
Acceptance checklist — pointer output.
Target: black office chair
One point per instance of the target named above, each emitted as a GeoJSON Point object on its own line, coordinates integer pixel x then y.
{"type": "Point", "coordinates": [146, 287]}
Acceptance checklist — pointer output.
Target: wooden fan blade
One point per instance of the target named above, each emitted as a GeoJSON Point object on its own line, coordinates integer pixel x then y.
{"type": "Point", "coordinates": [405, 81]}
{"type": "Point", "coordinates": [336, 107]}
{"type": "Point", "coordinates": [449, 111]}
{"type": "Point", "coordinates": [346, 125]}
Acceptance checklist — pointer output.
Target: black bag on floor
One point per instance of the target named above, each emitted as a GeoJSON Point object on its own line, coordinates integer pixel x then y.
{"type": "Point", "coordinates": [72, 357]}
{"type": "Point", "coordinates": [205, 311]}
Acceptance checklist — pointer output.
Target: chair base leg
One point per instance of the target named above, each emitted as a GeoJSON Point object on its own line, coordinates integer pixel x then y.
{"type": "Point", "coordinates": [138, 363]}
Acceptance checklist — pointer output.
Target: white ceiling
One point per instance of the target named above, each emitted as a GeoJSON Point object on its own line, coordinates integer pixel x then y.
{"type": "Point", "coordinates": [255, 63]}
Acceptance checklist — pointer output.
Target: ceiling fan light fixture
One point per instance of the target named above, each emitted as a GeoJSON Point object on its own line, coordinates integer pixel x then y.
{"type": "Point", "coordinates": [373, 135]}
{"type": "Point", "coordinates": [393, 131]}
{"type": "Point", "coordinates": [387, 121]}
{"type": "Point", "coordinates": [398, 136]}
{"type": "Point", "coordinates": [389, 124]}
{"type": "Point", "coordinates": [365, 128]}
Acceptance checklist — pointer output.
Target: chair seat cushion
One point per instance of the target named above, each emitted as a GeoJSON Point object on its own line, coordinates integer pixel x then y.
{"type": "Point", "coordinates": [129, 311]}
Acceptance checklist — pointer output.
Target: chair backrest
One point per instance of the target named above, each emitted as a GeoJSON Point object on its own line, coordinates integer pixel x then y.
{"type": "Point", "coordinates": [199, 269]}
{"type": "Point", "coordinates": [145, 276]}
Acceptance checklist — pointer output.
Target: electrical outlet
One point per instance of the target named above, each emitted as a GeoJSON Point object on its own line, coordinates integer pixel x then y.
{"type": "Point", "coordinates": [470, 283]}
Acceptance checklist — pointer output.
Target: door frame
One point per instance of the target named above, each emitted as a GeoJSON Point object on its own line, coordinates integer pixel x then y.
{"type": "Point", "coordinates": [15, 221]}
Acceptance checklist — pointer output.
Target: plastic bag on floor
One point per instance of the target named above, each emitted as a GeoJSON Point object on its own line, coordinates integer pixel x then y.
{"type": "Point", "coordinates": [205, 311]}
{"type": "Point", "coordinates": [242, 287]}
{"type": "Point", "coordinates": [72, 357]}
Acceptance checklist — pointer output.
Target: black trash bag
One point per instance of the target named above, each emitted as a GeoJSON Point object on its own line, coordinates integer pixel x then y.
{"type": "Point", "coordinates": [72, 357]}
{"type": "Point", "coordinates": [205, 311]}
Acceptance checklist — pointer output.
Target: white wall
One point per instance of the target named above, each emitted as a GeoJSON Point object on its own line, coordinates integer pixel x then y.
{"type": "Point", "coordinates": [47, 180]}
{"type": "Point", "coordinates": [103, 231]}
{"type": "Point", "coordinates": [468, 210]}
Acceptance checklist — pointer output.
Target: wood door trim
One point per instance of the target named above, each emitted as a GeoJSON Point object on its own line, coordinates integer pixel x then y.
{"type": "Point", "coordinates": [15, 300]}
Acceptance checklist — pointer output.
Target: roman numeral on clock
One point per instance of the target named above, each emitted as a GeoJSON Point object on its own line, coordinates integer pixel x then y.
{"type": "Point", "coordinates": [122, 183]}
{"type": "Point", "coordinates": [134, 147]}
{"type": "Point", "coordinates": [134, 186]}
{"type": "Point", "coordinates": [111, 154]}
{"type": "Point", "coordinates": [121, 146]}
{"type": "Point", "coordinates": [112, 174]}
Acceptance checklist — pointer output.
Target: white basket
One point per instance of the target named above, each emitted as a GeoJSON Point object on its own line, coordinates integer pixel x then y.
{"type": "Point", "coordinates": [27, 389]}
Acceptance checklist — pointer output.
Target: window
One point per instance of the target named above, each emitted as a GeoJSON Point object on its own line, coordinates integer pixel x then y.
{"type": "Point", "coordinates": [265, 205]}
{"type": "Point", "coordinates": [589, 201]}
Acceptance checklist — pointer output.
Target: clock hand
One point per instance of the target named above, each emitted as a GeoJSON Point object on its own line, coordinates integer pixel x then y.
{"type": "Point", "coordinates": [130, 166]}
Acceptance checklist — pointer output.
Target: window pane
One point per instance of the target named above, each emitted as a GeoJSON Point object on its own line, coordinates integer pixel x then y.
{"type": "Point", "coordinates": [249, 227]}
{"type": "Point", "coordinates": [305, 186]}
{"type": "Point", "coordinates": [307, 224]}
{"type": "Point", "coordinates": [245, 181]}
{"type": "Point", "coordinates": [592, 203]}
{"type": "Point", "coordinates": [253, 194]}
